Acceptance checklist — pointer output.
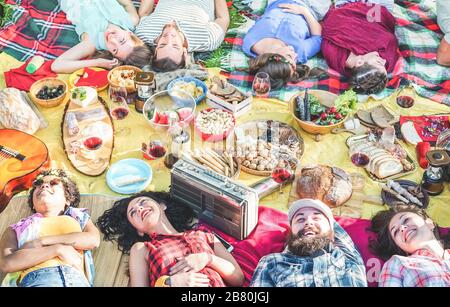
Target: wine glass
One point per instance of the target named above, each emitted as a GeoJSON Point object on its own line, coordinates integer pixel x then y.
{"type": "Point", "coordinates": [282, 173]}
{"type": "Point", "coordinates": [92, 138]}
{"type": "Point", "coordinates": [360, 159]}
{"type": "Point", "coordinates": [405, 95]}
{"type": "Point", "coordinates": [261, 85]}
{"type": "Point", "coordinates": [155, 149]}
{"type": "Point", "coordinates": [119, 109]}
{"type": "Point", "coordinates": [116, 93]}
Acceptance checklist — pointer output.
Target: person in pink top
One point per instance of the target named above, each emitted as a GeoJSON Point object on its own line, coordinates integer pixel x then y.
{"type": "Point", "coordinates": [358, 41]}
{"type": "Point", "coordinates": [409, 240]}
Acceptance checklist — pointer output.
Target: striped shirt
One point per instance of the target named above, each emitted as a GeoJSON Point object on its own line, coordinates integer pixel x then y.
{"type": "Point", "coordinates": [421, 269]}
{"type": "Point", "coordinates": [195, 18]}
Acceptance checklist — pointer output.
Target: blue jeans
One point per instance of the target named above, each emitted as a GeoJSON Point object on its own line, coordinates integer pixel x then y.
{"type": "Point", "coordinates": [59, 276]}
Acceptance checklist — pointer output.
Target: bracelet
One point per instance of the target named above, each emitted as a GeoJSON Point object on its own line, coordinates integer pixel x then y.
{"type": "Point", "coordinates": [163, 281]}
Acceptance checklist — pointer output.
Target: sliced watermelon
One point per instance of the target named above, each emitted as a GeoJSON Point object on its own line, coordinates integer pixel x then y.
{"type": "Point", "coordinates": [184, 113]}
{"type": "Point", "coordinates": [156, 118]}
{"type": "Point", "coordinates": [163, 119]}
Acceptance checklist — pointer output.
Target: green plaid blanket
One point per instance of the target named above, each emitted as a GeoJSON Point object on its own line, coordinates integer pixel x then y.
{"type": "Point", "coordinates": [418, 36]}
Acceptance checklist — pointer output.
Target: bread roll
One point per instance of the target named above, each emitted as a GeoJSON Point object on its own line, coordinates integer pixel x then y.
{"type": "Point", "coordinates": [331, 185]}
{"type": "Point", "coordinates": [15, 113]}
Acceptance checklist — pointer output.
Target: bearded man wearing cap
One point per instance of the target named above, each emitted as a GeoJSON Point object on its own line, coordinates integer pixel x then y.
{"type": "Point", "coordinates": [318, 253]}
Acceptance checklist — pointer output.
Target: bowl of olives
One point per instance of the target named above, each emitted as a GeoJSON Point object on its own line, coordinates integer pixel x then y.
{"type": "Point", "coordinates": [48, 92]}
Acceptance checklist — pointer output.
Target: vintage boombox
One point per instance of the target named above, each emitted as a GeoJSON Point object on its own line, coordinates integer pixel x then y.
{"type": "Point", "coordinates": [217, 200]}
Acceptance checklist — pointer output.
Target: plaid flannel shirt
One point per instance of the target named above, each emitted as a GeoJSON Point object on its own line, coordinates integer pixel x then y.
{"type": "Point", "coordinates": [165, 250]}
{"type": "Point", "coordinates": [341, 266]}
{"type": "Point", "coordinates": [421, 269]}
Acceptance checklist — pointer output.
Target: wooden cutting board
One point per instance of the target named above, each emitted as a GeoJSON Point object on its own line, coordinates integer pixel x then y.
{"type": "Point", "coordinates": [352, 207]}
{"type": "Point", "coordinates": [89, 162]}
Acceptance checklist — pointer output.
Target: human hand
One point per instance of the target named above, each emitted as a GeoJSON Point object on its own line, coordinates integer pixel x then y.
{"type": "Point", "coordinates": [37, 243]}
{"type": "Point", "coordinates": [193, 262]}
{"type": "Point", "coordinates": [189, 279]}
{"type": "Point", "coordinates": [70, 256]}
{"type": "Point", "coordinates": [294, 9]}
{"type": "Point", "coordinates": [108, 64]}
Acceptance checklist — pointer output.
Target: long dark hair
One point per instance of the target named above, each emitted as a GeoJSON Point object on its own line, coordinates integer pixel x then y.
{"type": "Point", "coordinates": [71, 191]}
{"type": "Point", "coordinates": [278, 69]}
{"type": "Point", "coordinates": [384, 245]}
{"type": "Point", "coordinates": [368, 80]}
{"type": "Point", "coordinates": [114, 224]}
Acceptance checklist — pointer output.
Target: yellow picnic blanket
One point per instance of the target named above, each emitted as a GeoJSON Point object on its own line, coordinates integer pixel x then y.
{"type": "Point", "coordinates": [331, 150]}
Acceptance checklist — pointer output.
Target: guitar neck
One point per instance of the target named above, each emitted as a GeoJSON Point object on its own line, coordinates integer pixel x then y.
{"type": "Point", "coordinates": [11, 153]}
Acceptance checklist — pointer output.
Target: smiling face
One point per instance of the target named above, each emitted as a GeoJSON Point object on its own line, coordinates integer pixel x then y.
{"type": "Point", "coordinates": [119, 42]}
{"type": "Point", "coordinates": [48, 197]}
{"type": "Point", "coordinates": [410, 231]}
{"type": "Point", "coordinates": [171, 44]}
{"type": "Point", "coordinates": [144, 214]}
{"type": "Point", "coordinates": [310, 222]}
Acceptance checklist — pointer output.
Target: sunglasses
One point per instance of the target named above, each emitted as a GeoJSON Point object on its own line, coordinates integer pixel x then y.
{"type": "Point", "coordinates": [52, 182]}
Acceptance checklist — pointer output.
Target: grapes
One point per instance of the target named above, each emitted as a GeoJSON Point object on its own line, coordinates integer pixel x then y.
{"type": "Point", "coordinates": [50, 92]}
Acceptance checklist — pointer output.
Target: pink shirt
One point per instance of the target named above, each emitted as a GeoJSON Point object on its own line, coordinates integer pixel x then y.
{"type": "Point", "coordinates": [421, 269]}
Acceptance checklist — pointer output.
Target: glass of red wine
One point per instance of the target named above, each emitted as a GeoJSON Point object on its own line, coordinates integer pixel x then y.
{"type": "Point", "coordinates": [119, 109]}
{"type": "Point", "coordinates": [92, 138]}
{"type": "Point", "coordinates": [282, 173]}
{"type": "Point", "coordinates": [261, 85]}
{"type": "Point", "coordinates": [360, 159]}
{"type": "Point", "coordinates": [405, 97]}
{"type": "Point", "coordinates": [117, 93]}
{"type": "Point", "coordinates": [155, 149]}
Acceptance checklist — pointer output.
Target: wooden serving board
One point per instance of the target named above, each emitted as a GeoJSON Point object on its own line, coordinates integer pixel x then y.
{"type": "Point", "coordinates": [89, 162]}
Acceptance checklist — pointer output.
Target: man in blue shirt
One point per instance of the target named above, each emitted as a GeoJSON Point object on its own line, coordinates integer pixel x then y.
{"type": "Point", "coordinates": [288, 33]}
{"type": "Point", "coordinates": [319, 253]}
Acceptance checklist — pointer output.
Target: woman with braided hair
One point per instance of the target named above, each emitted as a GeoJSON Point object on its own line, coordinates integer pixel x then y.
{"type": "Point", "coordinates": [287, 34]}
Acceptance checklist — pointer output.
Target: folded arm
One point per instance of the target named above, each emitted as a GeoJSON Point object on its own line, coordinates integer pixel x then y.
{"type": "Point", "coordinates": [13, 259]}
{"type": "Point", "coordinates": [131, 10]}
{"type": "Point", "coordinates": [88, 239]}
{"type": "Point", "coordinates": [222, 14]}
{"type": "Point", "coordinates": [146, 7]}
{"type": "Point", "coordinates": [73, 59]}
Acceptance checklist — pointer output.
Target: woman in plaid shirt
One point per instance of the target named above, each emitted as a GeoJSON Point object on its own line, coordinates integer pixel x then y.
{"type": "Point", "coordinates": [164, 250]}
{"type": "Point", "coordinates": [410, 240]}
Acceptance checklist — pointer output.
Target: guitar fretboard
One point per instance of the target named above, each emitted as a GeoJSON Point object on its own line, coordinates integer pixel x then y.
{"type": "Point", "coordinates": [6, 153]}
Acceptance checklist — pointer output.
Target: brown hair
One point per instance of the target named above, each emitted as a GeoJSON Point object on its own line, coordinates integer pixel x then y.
{"type": "Point", "coordinates": [140, 56]}
{"type": "Point", "coordinates": [384, 246]}
{"type": "Point", "coordinates": [166, 64]}
{"type": "Point", "coordinates": [367, 80]}
{"type": "Point", "coordinates": [278, 69]}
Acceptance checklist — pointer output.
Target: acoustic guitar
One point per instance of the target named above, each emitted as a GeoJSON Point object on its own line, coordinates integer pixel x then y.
{"type": "Point", "coordinates": [22, 157]}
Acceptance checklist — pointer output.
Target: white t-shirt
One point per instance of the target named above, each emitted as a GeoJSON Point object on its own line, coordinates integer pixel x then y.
{"type": "Point", "coordinates": [195, 19]}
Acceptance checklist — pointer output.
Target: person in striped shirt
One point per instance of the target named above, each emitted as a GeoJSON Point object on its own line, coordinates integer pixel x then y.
{"type": "Point", "coordinates": [410, 240]}
{"type": "Point", "coordinates": [177, 27]}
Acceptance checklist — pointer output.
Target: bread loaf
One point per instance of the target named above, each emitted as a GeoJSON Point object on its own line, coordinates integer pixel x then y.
{"type": "Point", "coordinates": [15, 113]}
{"type": "Point", "coordinates": [331, 185]}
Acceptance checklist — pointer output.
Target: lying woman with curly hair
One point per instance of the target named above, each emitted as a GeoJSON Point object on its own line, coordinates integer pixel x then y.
{"type": "Point", "coordinates": [52, 247]}
{"type": "Point", "coordinates": [409, 240]}
{"type": "Point", "coordinates": [164, 249]}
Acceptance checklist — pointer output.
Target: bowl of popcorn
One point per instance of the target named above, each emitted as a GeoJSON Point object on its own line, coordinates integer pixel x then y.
{"type": "Point", "coordinates": [214, 124]}
{"type": "Point", "coordinates": [193, 86]}
{"type": "Point", "coordinates": [123, 76]}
